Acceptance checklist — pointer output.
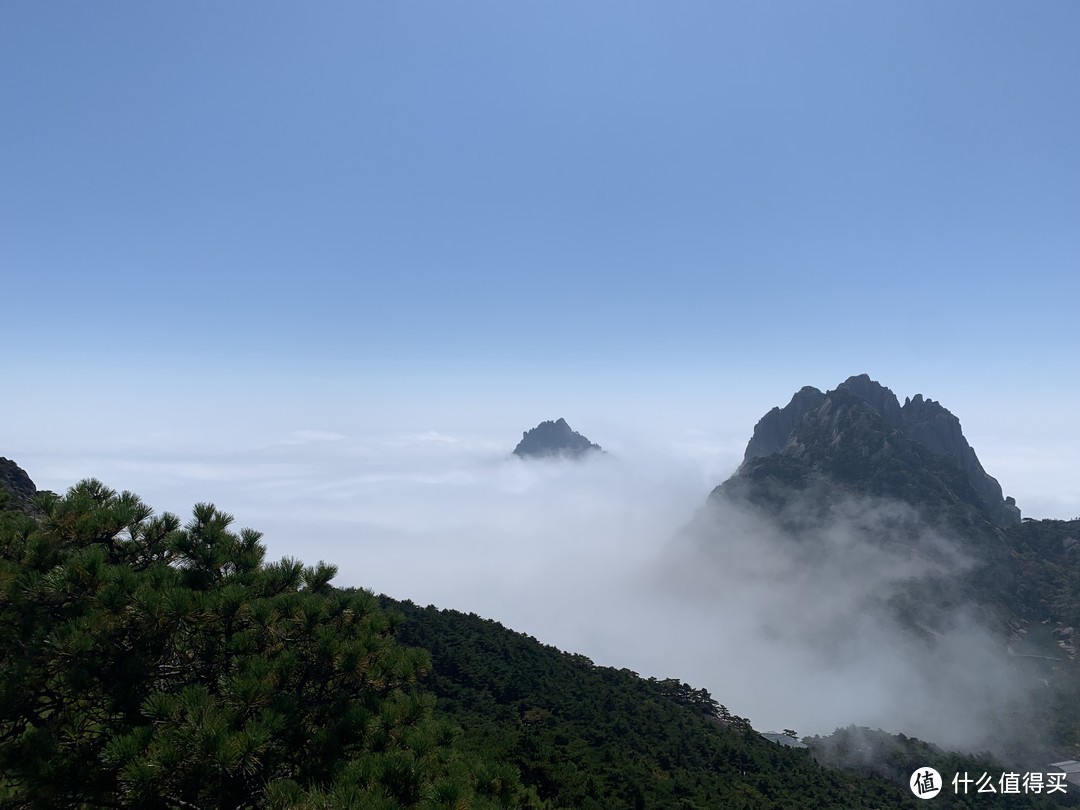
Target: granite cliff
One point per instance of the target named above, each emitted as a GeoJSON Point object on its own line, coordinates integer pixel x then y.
{"type": "Point", "coordinates": [858, 435]}
{"type": "Point", "coordinates": [15, 486]}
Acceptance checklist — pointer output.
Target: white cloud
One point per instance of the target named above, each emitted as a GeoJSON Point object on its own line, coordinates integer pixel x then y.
{"type": "Point", "coordinates": [582, 556]}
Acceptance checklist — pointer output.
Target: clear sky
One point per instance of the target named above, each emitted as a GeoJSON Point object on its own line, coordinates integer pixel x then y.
{"type": "Point", "coordinates": [228, 218]}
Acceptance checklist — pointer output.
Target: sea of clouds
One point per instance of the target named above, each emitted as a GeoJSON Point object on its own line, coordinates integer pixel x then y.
{"type": "Point", "coordinates": [614, 557]}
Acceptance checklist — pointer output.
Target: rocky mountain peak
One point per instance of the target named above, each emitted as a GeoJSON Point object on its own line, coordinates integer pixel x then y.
{"type": "Point", "coordinates": [882, 399]}
{"type": "Point", "coordinates": [553, 439]}
{"type": "Point", "coordinates": [937, 429]}
{"type": "Point", "coordinates": [859, 434]}
{"type": "Point", "coordinates": [774, 428]}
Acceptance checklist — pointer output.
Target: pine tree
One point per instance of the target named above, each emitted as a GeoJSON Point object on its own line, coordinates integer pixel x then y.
{"type": "Point", "coordinates": [147, 664]}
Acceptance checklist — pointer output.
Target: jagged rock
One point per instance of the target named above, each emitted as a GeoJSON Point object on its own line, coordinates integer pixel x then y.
{"type": "Point", "coordinates": [774, 428]}
{"type": "Point", "coordinates": [859, 435]}
{"type": "Point", "coordinates": [938, 430]}
{"type": "Point", "coordinates": [882, 399]}
{"type": "Point", "coordinates": [554, 439]}
{"type": "Point", "coordinates": [16, 484]}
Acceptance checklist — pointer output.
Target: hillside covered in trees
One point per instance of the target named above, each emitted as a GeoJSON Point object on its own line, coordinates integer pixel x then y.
{"type": "Point", "coordinates": [146, 662]}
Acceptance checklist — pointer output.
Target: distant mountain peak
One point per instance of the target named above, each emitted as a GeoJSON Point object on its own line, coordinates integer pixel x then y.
{"type": "Point", "coordinates": [556, 438]}
{"type": "Point", "coordinates": [881, 398]}
{"type": "Point", "coordinates": [859, 434]}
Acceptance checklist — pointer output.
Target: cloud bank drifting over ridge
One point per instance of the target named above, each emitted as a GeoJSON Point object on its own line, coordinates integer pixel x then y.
{"type": "Point", "coordinates": [588, 556]}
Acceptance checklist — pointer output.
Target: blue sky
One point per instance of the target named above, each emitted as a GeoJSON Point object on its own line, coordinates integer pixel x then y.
{"type": "Point", "coordinates": [268, 217]}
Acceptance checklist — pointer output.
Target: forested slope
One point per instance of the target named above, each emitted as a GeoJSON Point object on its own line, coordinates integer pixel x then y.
{"type": "Point", "coordinates": [596, 737]}
{"type": "Point", "coordinates": [146, 662]}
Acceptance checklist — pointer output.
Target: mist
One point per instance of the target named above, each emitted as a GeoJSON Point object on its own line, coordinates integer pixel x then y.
{"type": "Point", "coordinates": [852, 614]}
{"type": "Point", "coordinates": [617, 557]}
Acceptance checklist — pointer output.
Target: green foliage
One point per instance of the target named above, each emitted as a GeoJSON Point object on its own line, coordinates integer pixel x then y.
{"type": "Point", "coordinates": [585, 736]}
{"type": "Point", "coordinates": [1042, 589]}
{"type": "Point", "coordinates": [147, 664]}
{"type": "Point", "coordinates": [894, 757]}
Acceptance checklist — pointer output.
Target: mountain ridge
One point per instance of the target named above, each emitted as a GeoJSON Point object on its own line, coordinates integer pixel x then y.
{"type": "Point", "coordinates": [859, 434]}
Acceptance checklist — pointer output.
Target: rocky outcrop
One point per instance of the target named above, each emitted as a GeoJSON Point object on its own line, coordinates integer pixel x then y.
{"type": "Point", "coordinates": [859, 435]}
{"type": "Point", "coordinates": [774, 428]}
{"type": "Point", "coordinates": [880, 398]}
{"type": "Point", "coordinates": [16, 485]}
{"type": "Point", "coordinates": [553, 439]}
{"type": "Point", "coordinates": [938, 430]}
{"type": "Point", "coordinates": [1012, 511]}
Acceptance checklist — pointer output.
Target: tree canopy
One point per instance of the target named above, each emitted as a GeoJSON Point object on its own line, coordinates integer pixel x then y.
{"type": "Point", "coordinates": [153, 664]}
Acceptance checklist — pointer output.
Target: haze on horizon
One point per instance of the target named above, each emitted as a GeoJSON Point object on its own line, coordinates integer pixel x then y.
{"type": "Point", "coordinates": [594, 557]}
